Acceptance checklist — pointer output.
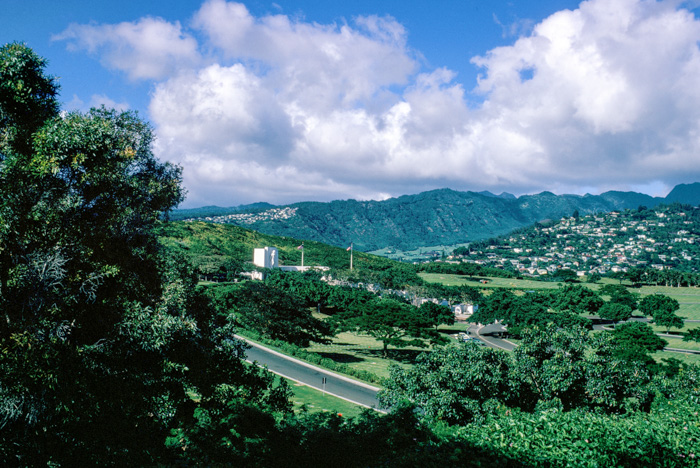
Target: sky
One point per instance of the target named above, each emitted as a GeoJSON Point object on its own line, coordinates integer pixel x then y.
{"type": "Point", "coordinates": [303, 100]}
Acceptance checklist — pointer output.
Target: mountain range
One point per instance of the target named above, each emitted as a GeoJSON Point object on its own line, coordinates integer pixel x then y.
{"type": "Point", "coordinates": [436, 217]}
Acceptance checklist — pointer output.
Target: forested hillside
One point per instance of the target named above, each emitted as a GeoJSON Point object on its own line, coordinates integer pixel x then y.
{"type": "Point", "coordinates": [438, 217]}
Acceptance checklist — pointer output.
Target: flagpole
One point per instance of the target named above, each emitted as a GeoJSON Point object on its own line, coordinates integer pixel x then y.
{"type": "Point", "coordinates": [350, 256]}
{"type": "Point", "coordinates": [302, 255]}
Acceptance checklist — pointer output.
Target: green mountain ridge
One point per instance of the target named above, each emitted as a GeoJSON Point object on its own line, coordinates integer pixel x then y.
{"type": "Point", "coordinates": [436, 217]}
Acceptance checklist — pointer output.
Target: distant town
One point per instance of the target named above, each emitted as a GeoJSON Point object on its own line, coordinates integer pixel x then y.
{"type": "Point", "coordinates": [664, 238]}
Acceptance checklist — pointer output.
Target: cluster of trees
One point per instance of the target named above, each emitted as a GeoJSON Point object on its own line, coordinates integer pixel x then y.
{"type": "Point", "coordinates": [280, 308]}
{"type": "Point", "coordinates": [107, 348]}
{"type": "Point", "coordinates": [564, 397]}
{"type": "Point", "coordinates": [552, 366]}
{"type": "Point", "coordinates": [568, 305]}
{"type": "Point", "coordinates": [654, 277]}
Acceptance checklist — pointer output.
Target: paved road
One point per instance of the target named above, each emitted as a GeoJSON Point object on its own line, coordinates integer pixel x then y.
{"type": "Point", "coordinates": [489, 334]}
{"type": "Point", "coordinates": [337, 385]}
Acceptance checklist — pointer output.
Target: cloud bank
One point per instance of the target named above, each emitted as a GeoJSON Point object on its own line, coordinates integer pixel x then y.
{"type": "Point", "coordinates": [279, 109]}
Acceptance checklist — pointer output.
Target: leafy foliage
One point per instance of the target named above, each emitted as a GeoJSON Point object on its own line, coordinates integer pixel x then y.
{"type": "Point", "coordinates": [271, 311]}
{"type": "Point", "coordinates": [662, 309]}
{"type": "Point", "coordinates": [104, 339]}
{"type": "Point", "coordinates": [577, 299]}
{"type": "Point", "coordinates": [551, 367]}
{"type": "Point", "coordinates": [615, 311]}
{"type": "Point", "coordinates": [27, 97]}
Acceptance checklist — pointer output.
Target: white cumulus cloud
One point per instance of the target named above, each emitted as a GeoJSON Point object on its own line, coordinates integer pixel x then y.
{"type": "Point", "coordinates": [150, 48]}
{"type": "Point", "coordinates": [276, 108]}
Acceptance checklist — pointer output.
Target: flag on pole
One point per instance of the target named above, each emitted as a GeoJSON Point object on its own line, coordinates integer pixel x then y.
{"type": "Point", "coordinates": [301, 247]}
{"type": "Point", "coordinates": [349, 248]}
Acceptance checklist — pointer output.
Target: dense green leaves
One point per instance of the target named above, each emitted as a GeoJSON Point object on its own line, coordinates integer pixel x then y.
{"type": "Point", "coordinates": [105, 344]}
{"type": "Point", "coordinates": [271, 311]}
{"type": "Point", "coordinates": [27, 97]}
{"type": "Point", "coordinates": [662, 309]}
{"type": "Point", "coordinates": [615, 311]}
{"type": "Point", "coordinates": [551, 367]}
{"type": "Point", "coordinates": [577, 299]}
{"type": "Point", "coordinates": [454, 383]}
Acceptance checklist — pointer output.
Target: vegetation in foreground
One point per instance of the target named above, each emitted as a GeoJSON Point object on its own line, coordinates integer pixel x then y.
{"type": "Point", "coordinates": [110, 355]}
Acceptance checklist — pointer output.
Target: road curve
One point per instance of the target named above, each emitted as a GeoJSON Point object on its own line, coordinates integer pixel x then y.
{"type": "Point", "coordinates": [487, 334]}
{"type": "Point", "coordinates": [337, 385]}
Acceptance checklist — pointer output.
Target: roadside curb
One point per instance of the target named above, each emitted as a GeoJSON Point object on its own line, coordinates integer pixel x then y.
{"type": "Point", "coordinates": [679, 350]}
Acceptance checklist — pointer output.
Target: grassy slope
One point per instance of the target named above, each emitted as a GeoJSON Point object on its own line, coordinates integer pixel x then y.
{"type": "Point", "coordinates": [212, 244]}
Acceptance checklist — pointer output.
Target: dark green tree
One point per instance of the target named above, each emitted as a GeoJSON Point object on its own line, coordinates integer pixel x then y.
{"type": "Point", "coordinates": [662, 309]}
{"type": "Point", "coordinates": [638, 334]}
{"type": "Point", "coordinates": [577, 299]}
{"type": "Point", "coordinates": [619, 294]}
{"type": "Point", "coordinates": [455, 383]}
{"type": "Point", "coordinates": [270, 311]}
{"type": "Point", "coordinates": [391, 322]}
{"type": "Point", "coordinates": [27, 97]}
{"type": "Point", "coordinates": [552, 367]}
{"type": "Point", "coordinates": [437, 314]}
{"type": "Point", "coordinates": [104, 338]}
{"type": "Point", "coordinates": [615, 312]}
{"type": "Point", "coordinates": [692, 335]}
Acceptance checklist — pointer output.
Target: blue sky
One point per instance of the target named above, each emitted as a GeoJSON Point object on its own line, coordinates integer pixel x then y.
{"type": "Point", "coordinates": [317, 100]}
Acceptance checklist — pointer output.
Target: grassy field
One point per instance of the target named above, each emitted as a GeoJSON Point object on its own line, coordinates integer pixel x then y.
{"type": "Point", "coordinates": [688, 298]}
{"type": "Point", "coordinates": [315, 401]}
{"type": "Point", "coordinates": [680, 344]}
{"type": "Point", "coordinates": [684, 358]}
{"type": "Point", "coordinates": [365, 353]}
{"type": "Point", "coordinates": [460, 280]}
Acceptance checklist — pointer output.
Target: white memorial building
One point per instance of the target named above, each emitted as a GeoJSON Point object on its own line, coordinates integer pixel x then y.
{"type": "Point", "coordinates": [268, 257]}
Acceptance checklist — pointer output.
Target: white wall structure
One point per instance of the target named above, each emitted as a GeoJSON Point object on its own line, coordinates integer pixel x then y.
{"type": "Point", "coordinates": [266, 257]}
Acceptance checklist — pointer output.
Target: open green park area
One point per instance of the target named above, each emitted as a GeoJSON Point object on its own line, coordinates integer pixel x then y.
{"type": "Point", "coordinates": [364, 353]}
{"type": "Point", "coordinates": [687, 297]}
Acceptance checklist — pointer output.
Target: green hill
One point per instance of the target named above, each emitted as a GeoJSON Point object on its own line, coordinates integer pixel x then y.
{"type": "Point", "coordinates": [437, 217]}
{"type": "Point", "coordinates": [208, 246]}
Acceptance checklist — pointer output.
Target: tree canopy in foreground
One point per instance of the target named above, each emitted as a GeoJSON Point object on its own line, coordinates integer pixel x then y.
{"type": "Point", "coordinates": [106, 347]}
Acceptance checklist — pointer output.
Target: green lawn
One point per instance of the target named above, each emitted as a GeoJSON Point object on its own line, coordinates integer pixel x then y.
{"type": "Point", "coordinates": [688, 298]}
{"type": "Point", "coordinates": [365, 353]}
{"type": "Point", "coordinates": [684, 358]}
{"type": "Point", "coordinates": [680, 344]}
{"type": "Point", "coordinates": [460, 280]}
{"type": "Point", "coordinates": [316, 401]}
